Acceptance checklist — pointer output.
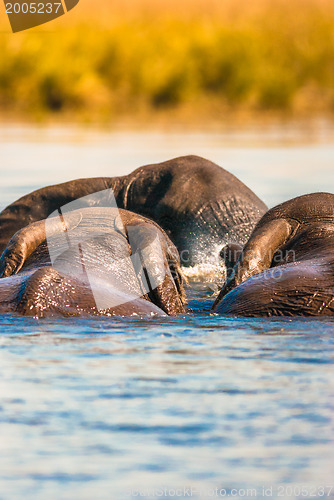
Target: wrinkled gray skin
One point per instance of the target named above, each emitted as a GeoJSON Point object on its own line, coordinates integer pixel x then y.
{"type": "Point", "coordinates": [200, 205]}
{"type": "Point", "coordinates": [91, 270]}
{"type": "Point", "coordinates": [287, 266]}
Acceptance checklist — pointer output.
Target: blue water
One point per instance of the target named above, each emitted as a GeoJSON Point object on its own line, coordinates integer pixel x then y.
{"type": "Point", "coordinates": [126, 408]}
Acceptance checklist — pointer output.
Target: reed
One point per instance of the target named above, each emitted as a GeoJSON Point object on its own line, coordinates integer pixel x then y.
{"type": "Point", "coordinates": [109, 59]}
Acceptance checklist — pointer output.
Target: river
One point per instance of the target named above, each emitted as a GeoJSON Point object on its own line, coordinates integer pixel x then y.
{"type": "Point", "coordinates": [197, 406]}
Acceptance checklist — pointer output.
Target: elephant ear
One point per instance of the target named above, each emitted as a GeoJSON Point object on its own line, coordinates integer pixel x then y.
{"type": "Point", "coordinates": [258, 253]}
{"type": "Point", "coordinates": [157, 264]}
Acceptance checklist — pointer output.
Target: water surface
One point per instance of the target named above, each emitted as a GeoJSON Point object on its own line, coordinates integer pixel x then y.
{"type": "Point", "coordinates": [108, 409]}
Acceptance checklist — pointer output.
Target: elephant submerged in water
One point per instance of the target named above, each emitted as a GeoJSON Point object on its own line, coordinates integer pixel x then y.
{"type": "Point", "coordinates": [198, 204]}
{"type": "Point", "coordinates": [97, 261]}
{"type": "Point", "coordinates": [287, 266]}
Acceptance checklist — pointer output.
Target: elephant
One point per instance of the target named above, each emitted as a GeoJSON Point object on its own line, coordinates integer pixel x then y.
{"type": "Point", "coordinates": [92, 261]}
{"type": "Point", "coordinates": [198, 204]}
{"type": "Point", "coordinates": [287, 266]}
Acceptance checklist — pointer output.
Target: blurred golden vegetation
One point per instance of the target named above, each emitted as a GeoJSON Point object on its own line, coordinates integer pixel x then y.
{"type": "Point", "coordinates": [107, 60]}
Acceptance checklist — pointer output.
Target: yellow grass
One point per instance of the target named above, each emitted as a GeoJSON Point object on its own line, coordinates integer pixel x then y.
{"type": "Point", "coordinates": [107, 59]}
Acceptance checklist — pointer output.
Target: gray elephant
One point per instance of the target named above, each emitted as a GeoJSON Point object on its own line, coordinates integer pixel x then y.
{"type": "Point", "coordinates": [287, 266]}
{"type": "Point", "coordinates": [200, 205]}
{"type": "Point", "coordinates": [96, 261]}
